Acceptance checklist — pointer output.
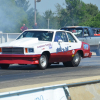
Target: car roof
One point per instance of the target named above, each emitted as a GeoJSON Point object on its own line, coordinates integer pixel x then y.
{"type": "Point", "coordinates": [95, 28]}
{"type": "Point", "coordinates": [45, 30]}
{"type": "Point", "coordinates": [76, 27]}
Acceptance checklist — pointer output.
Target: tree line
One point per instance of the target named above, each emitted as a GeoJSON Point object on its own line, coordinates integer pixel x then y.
{"type": "Point", "coordinates": [13, 13]}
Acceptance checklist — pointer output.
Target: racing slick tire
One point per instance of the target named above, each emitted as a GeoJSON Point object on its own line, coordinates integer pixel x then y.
{"type": "Point", "coordinates": [75, 61]}
{"type": "Point", "coordinates": [43, 62]}
{"type": "Point", "coordinates": [4, 66]}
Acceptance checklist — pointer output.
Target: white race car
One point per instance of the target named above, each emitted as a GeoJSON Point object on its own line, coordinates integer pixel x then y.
{"type": "Point", "coordinates": [44, 47]}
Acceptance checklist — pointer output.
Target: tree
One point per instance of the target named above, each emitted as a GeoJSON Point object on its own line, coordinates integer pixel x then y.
{"type": "Point", "coordinates": [11, 17]}
{"type": "Point", "coordinates": [93, 22]}
{"type": "Point", "coordinates": [73, 13]}
{"type": "Point", "coordinates": [50, 19]}
{"type": "Point", "coordinates": [76, 12]}
{"type": "Point", "coordinates": [23, 4]}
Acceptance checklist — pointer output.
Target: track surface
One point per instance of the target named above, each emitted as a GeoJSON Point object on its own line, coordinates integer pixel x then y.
{"type": "Point", "coordinates": [19, 75]}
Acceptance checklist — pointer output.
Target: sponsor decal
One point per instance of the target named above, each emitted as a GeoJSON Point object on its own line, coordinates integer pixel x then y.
{"type": "Point", "coordinates": [62, 49]}
{"type": "Point", "coordinates": [85, 46]}
{"type": "Point", "coordinates": [86, 54]}
{"type": "Point", "coordinates": [50, 47]}
{"type": "Point", "coordinates": [73, 55]}
{"type": "Point", "coordinates": [73, 51]}
{"type": "Point", "coordinates": [44, 45]}
{"type": "Point", "coordinates": [43, 48]}
{"type": "Point", "coordinates": [40, 46]}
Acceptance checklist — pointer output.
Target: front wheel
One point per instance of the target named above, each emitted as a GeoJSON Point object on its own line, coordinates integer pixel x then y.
{"type": "Point", "coordinates": [43, 61]}
{"type": "Point", "coordinates": [4, 66]}
{"type": "Point", "coordinates": [75, 61]}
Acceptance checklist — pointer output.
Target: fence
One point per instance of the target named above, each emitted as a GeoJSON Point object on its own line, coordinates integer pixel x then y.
{"type": "Point", "coordinates": [6, 37]}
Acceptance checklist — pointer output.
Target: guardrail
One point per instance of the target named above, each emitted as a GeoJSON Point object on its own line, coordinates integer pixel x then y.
{"type": "Point", "coordinates": [77, 91]}
{"type": "Point", "coordinates": [6, 37]}
{"type": "Point", "coordinates": [56, 92]}
{"type": "Point", "coordinates": [83, 83]}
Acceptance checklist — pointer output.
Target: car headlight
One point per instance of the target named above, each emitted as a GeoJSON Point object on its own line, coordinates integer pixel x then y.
{"type": "Point", "coordinates": [29, 50]}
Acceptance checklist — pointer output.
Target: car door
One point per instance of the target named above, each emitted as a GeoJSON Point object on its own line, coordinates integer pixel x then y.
{"type": "Point", "coordinates": [88, 38]}
{"type": "Point", "coordinates": [73, 45]}
{"type": "Point", "coordinates": [60, 46]}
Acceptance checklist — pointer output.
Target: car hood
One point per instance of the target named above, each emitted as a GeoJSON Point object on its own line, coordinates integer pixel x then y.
{"type": "Point", "coordinates": [24, 42]}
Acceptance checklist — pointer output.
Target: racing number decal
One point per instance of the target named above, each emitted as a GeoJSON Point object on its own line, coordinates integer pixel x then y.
{"type": "Point", "coordinates": [62, 49]}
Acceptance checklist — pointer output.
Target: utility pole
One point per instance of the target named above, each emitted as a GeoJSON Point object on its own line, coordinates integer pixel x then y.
{"type": "Point", "coordinates": [35, 10]}
{"type": "Point", "coordinates": [48, 22]}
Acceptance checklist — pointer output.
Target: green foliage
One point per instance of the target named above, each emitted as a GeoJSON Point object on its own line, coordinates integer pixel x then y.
{"type": "Point", "coordinates": [73, 14]}
{"type": "Point", "coordinates": [76, 13]}
{"type": "Point", "coordinates": [50, 19]}
{"type": "Point", "coordinates": [93, 22]}
{"type": "Point", "coordinates": [23, 4]}
{"type": "Point", "coordinates": [11, 16]}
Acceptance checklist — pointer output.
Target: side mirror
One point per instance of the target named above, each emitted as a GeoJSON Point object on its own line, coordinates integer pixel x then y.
{"type": "Point", "coordinates": [59, 41]}
{"type": "Point", "coordinates": [85, 34]}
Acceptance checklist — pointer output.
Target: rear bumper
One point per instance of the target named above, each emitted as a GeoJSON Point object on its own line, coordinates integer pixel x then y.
{"type": "Point", "coordinates": [19, 59]}
{"type": "Point", "coordinates": [86, 54]}
{"type": "Point", "coordinates": [90, 54]}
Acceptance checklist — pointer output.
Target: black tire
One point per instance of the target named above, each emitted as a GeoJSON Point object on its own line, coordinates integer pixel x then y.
{"type": "Point", "coordinates": [4, 66]}
{"type": "Point", "coordinates": [49, 64]}
{"type": "Point", "coordinates": [98, 52]}
{"type": "Point", "coordinates": [66, 64]}
{"type": "Point", "coordinates": [43, 62]}
{"type": "Point", "coordinates": [75, 61]}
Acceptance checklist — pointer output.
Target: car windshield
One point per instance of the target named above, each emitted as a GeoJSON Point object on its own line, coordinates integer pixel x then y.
{"type": "Point", "coordinates": [76, 31]}
{"type": "Point", "coordinates": [41, 35]}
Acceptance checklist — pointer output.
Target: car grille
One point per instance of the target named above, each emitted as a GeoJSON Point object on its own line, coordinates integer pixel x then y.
{"type": "Point", "coordinates": [14, 50]}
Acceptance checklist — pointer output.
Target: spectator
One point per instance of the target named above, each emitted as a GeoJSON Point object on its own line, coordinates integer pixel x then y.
{"type": "Point", "coordinates": [73, 31]}
{"type": "Point", "coordinates": [35, 26]}
{"type": "Point", "coordinates": [23, 28]}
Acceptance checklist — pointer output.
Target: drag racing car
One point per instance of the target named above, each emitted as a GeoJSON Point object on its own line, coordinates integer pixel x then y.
{"type": "Point", "coordinates": [43, 47]}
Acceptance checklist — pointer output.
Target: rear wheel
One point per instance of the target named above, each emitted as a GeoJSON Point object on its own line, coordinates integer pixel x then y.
{"type": "Point", "coordinates": [75, 61]}
{"type": "Point", "coordinates": [43, 61]}
{"type": "Point", "coordinates": [4, 66]}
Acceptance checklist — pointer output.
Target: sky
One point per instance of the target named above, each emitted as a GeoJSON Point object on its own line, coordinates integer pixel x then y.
{"type": "Point", "coordinates": [45, 5]}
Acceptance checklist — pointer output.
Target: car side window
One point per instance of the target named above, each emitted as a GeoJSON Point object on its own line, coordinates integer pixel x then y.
{"type": "Point", "coordinates": [71, 38]}
{"type": "Point", "coordinates": [60, 36]}
{"type": "Point", "coordinates": [86, 32]}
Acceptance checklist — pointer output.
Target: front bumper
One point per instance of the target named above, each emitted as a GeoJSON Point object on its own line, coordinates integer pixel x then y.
{"type": "Point", "coordinates": [19, 59]}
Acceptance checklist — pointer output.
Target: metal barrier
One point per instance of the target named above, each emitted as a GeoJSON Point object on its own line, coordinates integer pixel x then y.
{"type": "Point", "coordinates": [87, 90]}
{"type": "Point", "coordinates": [83, 83]}
{"type": "Point", "coordinates": [56, 92]}
{"type": "Point", "coordinates": [6, 37]}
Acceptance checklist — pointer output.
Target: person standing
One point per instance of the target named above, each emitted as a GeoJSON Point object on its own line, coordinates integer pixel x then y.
{"type": "Point", "coordinates": [35, 26]}
{"type": "Point", "coordinates": [23, 28]}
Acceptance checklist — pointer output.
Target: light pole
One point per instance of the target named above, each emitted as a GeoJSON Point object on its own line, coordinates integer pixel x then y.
{"type": "Point", "coordinates": [48, 22]}
{"type": "Point", "coordinates": [35, 9]}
